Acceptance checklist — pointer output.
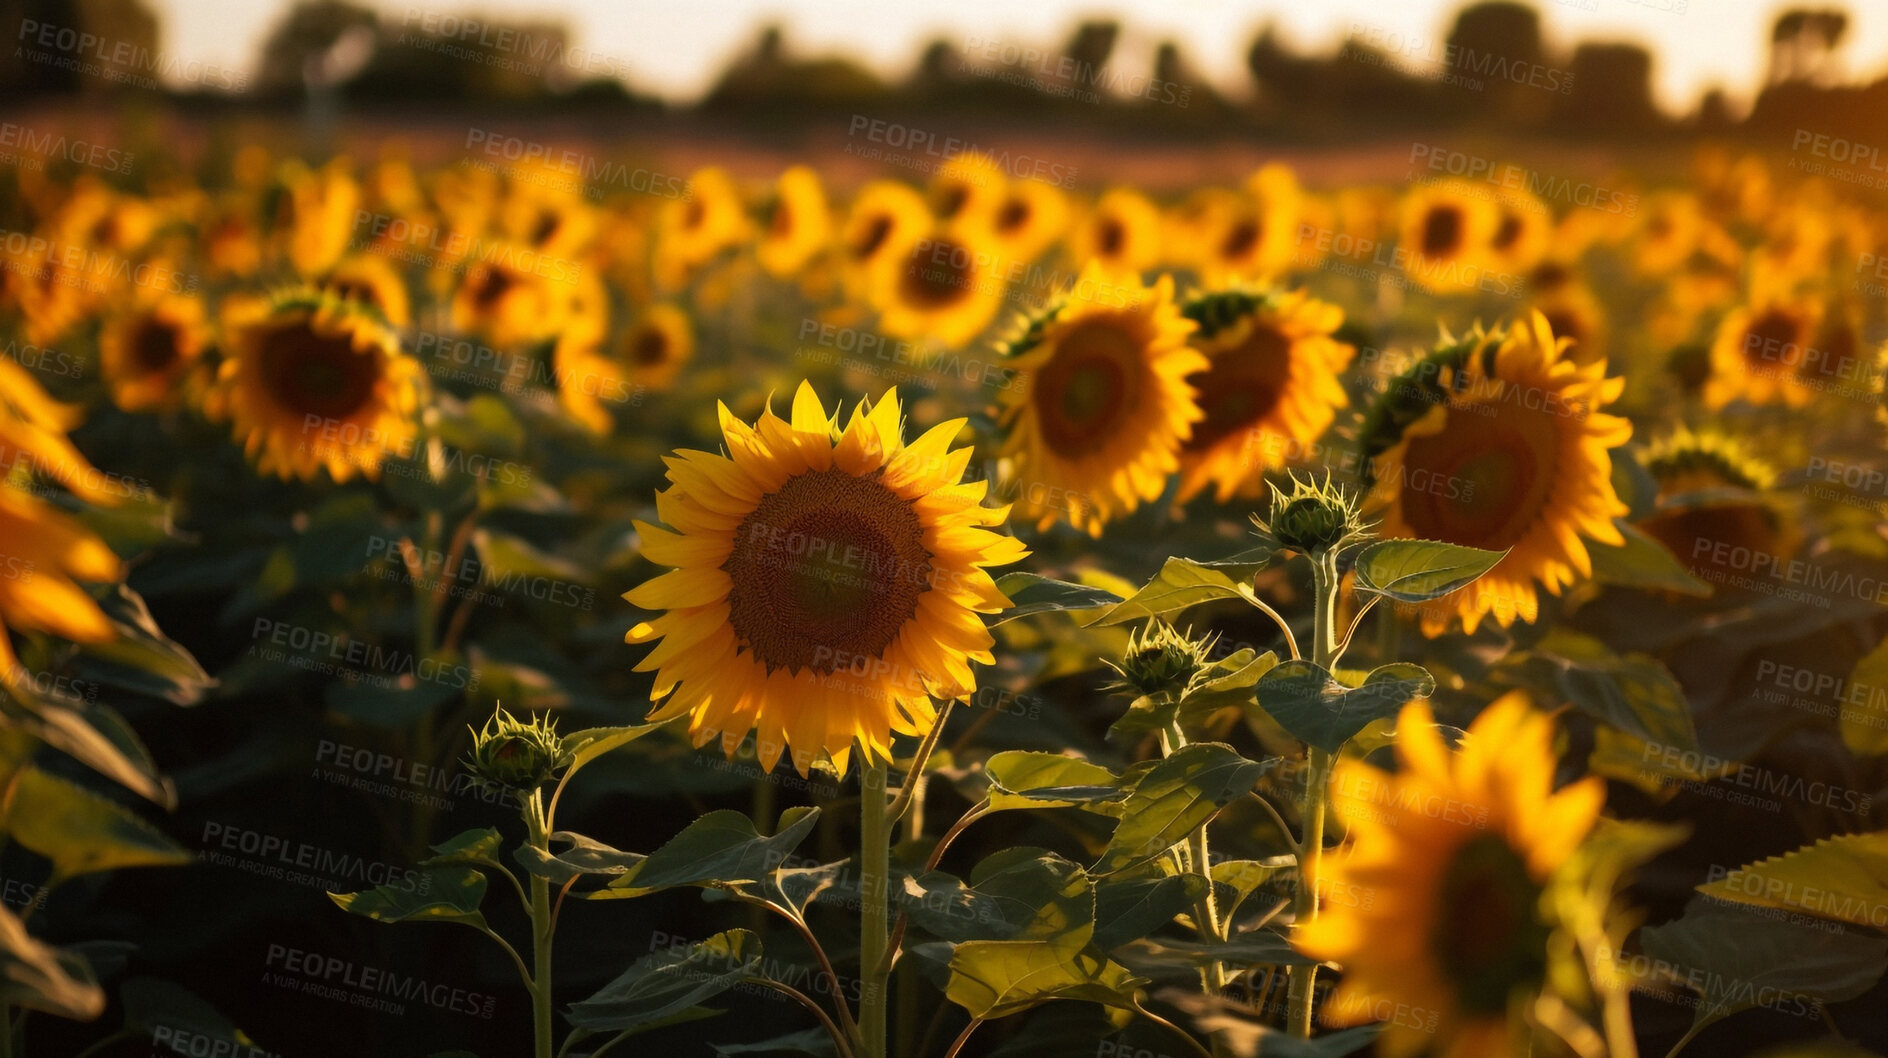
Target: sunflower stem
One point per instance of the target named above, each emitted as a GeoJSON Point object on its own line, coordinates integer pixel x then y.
{"type": "Point", "coordinates": [534, 819]}
{"type": "Point", "coordinates": [874, 927]}
{"type": "Point", "coordinates": [1302, 994]}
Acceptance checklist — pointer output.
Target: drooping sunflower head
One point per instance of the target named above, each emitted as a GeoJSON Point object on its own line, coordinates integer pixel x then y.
{"type": "Point", "coordinates": [947, 286]}
{"type": "Point", "coordinates": [1096, 426]}
{"type": "Point", "coordinates": [1762, 351]}
{"type": "Point", "coordinates": [795, 223]}
{"type": "Point", "coordinates": [1712, 491]}
{"type": "Point", "coordinates": [1696, 461]}
{"type": "Point", "coordinates": [1446, 232]}
{"type": "Point", "coordinates": [1270, 388]}
{"type": "Point", "coordinates": [829, 582]}
{"type": "Point", "coordinates": [1499, 442]}
{"type": "Point", "coordinates": [1121, 234]}
{"type": "Point", "coordinates": [1437, 909]}
{"type": "Point", "coordinates": [147, 351]}
{"type": "Point", "coordinates": [314, 382]}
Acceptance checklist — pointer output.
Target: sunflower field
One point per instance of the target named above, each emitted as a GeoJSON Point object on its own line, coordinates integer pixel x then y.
{"type": "Point", "coordinates": [923, 611]}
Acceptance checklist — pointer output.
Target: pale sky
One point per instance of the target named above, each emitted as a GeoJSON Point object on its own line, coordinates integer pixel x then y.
{"type": "Point", "coordinates": [676, 47]}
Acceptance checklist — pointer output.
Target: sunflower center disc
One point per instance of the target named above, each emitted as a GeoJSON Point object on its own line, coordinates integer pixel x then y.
{"type": "Point", "coordinates": [313, 375]}
{"type": "Point", "coordinates": [1241, 387]}
{"type": "Point", "coordinates": [827, 570]}
{"type": "Point", "coordinates": [1483, 480]}
{"type": "Point", "coordinates": [651, 348]}
{"type": "Point", "coordinates": [1771, 338]}
{"type": "Point", "coordinates": [1083, 393]}
{"type": "Point", "coordinates": [937, 275]}
{"type": "Point", "coordinates": [1488, 937]}
{"type": "Point", "coordinates": [156, 346]}
{"type": "Point", "coordinates": [1442, 229]}
{"type": "Point", "coordinates": [872, 237]}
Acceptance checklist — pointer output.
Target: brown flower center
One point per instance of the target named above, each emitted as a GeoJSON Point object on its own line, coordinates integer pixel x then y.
{"type": "Point", "coordinates": [1487, 934]}
{"type": "Point", "coordinates": [156, 347]}
{"type": "Point", "coordinates": [1089, 387]}
{"type": "Point", "coordinates": [314, 374]}
{"type": "Point", "coordinates": [1484, 478]}
{"type": "Point", "coordinates": [937, 275]}
{"type": "Point", "coordinates": [827, 570]}
{"type": "Point", "coordinates": [871, 237]}
{"type": "Point", "coordinates": [1442, 231]}
{"type": "Point", "coordinates": [1241, 387]}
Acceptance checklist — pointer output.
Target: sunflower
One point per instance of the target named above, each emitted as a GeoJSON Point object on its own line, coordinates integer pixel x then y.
{"type": "Point", "coordinates": [1574, 313]}
{"type": "Point", "coordinates": [1447, 229]}
{"type": "Point", "coordinates": [693, 230]}
{"type": "Point", "coordinates": [968, 187]}
{"type": "Point", "coordinates": [1121, 234]}
{"type": "Point", "coordinates": [548, 216]}
{"type": "Point", "coordinates": [149, 350]}
{"type": "Point", "coordinates": [948, 286]}
{"type": "Point", "coordinates": [316, 382]}
{"type": "Point", "coordinates": [1029, 217]}
{"type": "Point", "coordinates": [1270, 391]}
{"type": "Point", "coordinates": [828, 583]}
{"type": "Point", "coordinates": [509, 303]}
{"type": "Point", "coordinates": [1669, 231]}
{"type": "Point", "coordinates": [1511, 453]}
{"type": "Point", "coordinates": [1253, 236]}
{"type": "Point", "coordinates": [1761, 350]}
{"type": "Point", "coordinates": [1449, 924]}
{"type": "Point", "coordinates": [373, 281]}
{"type": "Point", "coordinates": [885, 219]}
{"type": "Point", "coordinates": [796, 225]}
{"type": "Point", "coordinates": [1096, 426]}
{"type": "Point", "coordinates": [648, 356]}
{"type": "Point", "coordinates": [317, 214]}
{"type": "Point", "coordinates": [1712, 490]}
{"type": "Point", "coordinates": [1524, 231]}
{"type": "Point", "coordinates": [43, 550]}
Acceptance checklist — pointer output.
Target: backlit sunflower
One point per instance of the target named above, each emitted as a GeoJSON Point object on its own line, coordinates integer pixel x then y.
{"type": "Point", "coordinates": [795, 225]}
{"type": "Point", "coordinates": [1030, 216]}
{"type": "Point", "coordinates": [1574, 313]}
{"type": "Point", "coordinates": [317, 382]}
{"type": "Point", "coordinates": [1447, 228]}
{"type": "Point", "coordinates": [947, 287]}
{"type": "Point", "coordinates": [1524, 231]}
{"type": "Point", "coordinates": [1436, 913]}
{"type": "Point", "coordinates": [1761, 350]}
{"type": "Point", "coordinates": [1711, 490]}
{"type": "Point", "coordinates": [968, 187]}
{"type": "Point", "coordinates": [647, 356]}
{"type": "Point", "coordinates": [886, 218]}
{"type": "Point", "coordinates": [698, 227]}
{"type": "Point", "coordinates": [1501, 445]}
{"type": "Point", "coordinates": [1270, 391]}
{"type": "Point", "coordinates": [828, 583]}
{"type": "Point", "coordinates": [316, 215]}
{"type": "Point", "coordinates": [513, 296]}
{"type": "Point", "coordinates": [147, 351]}
{"type": "Point", "coordinates": [1096, 426]}
{"type": "Point", "coordinates": [1121, 234]}
{"type": "Point", "coordinates": [43, 551]}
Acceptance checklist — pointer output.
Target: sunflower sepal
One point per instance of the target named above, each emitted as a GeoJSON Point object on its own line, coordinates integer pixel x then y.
{"type": "Point", "coordinates": [517, 756]}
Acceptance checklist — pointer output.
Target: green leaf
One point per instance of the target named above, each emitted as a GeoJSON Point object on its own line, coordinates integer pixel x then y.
{"type": "Point", "coordinates": [1228, 683]}
{"type": "Point", "coordinates": [1025, 779]}
{"type": "Point", "coordinates": [815, 1042]}
{"type": "Point", "coordinates": [1165, 959]}
{"type": "Point", "coordinates": [440, 894]}
{"type": "Point", "coordinates": [1643, 562]}
{"type": "Point", "coordinates": [38, 976]}
{"type": "Point", "coordinates": [1865, 722]}
{"type": "Point", "coordinates": [1014, 894]}
{"type": "Point", "coordinates": [1276, 1044]}
{"type": "Point", "coordinates": [506, 559]}
{"type": "Point", "coordinates": [1175, 797]}
{"type": "Point", "coordinates": [82, 832]}
{"type": "Point", "coordinates": [1635, 693]}
{"type": "Point", "coordinates": [108, 747]}
{"type": "Point", "coordinates": [470, 846]}
{"type": "Point", "coordinates": [142, 658]}
{"type": "Point", "coordinates": [152, 1005]}
{"type": "Point", "coordinates": [1032, 595]}
{"type": "Point", "coordinates": [997, 978]}
{"type": "Point", "coordinates": [1739, 960]}
{"type": "Point", "coordinates": [1843, 878]}
{"type": "Point", "coordinates": [1243, 566]}
{"type": "Point", "coordinates": [1315, 708]}
{"type": "Point", "coordinates": [583, 857]}
{"type": "Point", "coordinates": [339, 539]}
{"type": "Point", "coordinates": [592, 742]}
{"type": "Point", "coordinates": [720, 848]}
{"type": "Point", "coordinates": [669, 982]}
{"type": "Point", "coordinates": [391, 702]}
{"type": "Point", "coordinates": [1129, 910]}
{"type": "Point", "coordinates": [1419, 570]}
{"type": "Point", "coordinates": [1180, 584]}
{"type": "Point", "coordinates": [1239, 879]}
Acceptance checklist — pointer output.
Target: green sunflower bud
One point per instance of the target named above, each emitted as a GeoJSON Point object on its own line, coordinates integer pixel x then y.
{"type": "Point", "coordinates": [1313, 518]}
{"type": "Point", "coordinates": [1159, 659]}
{"type": "Point", "coordinates": [518, 755]}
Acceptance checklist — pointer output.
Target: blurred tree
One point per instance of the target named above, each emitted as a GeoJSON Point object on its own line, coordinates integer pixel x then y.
{"type": "Point", "coordinates": [296, 48]}
{"type": "Point", "coordinates": [27, 66]}
{"type": "Point", "coordinates": [1612, 92]}
{"type": "Point", "coordinates": [1494, 50]}
{"type": "Point", "coordinates": [769, 81]}
{"type": "Point", "coordinates": [1804, 45]}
